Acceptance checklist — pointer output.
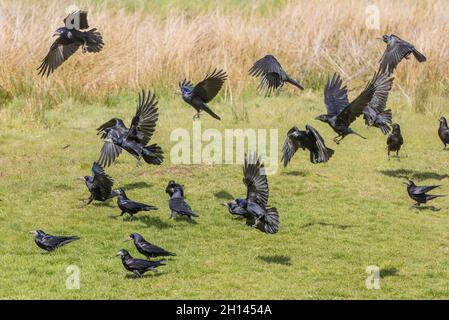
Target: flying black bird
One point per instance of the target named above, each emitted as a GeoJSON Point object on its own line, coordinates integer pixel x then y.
{"type": "Point", "coordinates": [70, 38]}
{"type": "Point", "coordinates": [99, 185]}
{"type": "Point", "coordinates": [254, 208]}
{"type": "Point", "coordinates": [273, 76]}
{"type": "Point", "coordinates": [395, 140]}
{"type": "Point", "coordinates": [419, 194]}
{"type": "Point", "coordinates": [374, 113]}
{"type": "Point", "coordinates": [198, 96]}
{"type": "Point", "coordinates": [147, 249]}
{"type": "Point", "coordinates": [397, 49]}
{"type": "Point", "coordinates": [131, 207]}
{"type": "Point", "coordinates": [134, 139]}
{"type": "Point", "coordinates": [341, 113]}
{"type": "Point", "coordinates": [138, 266]}
{"type": "Point", "coordinates": [309, 139]}
{"type": "Point", "coordinates": [177, 204]}
{"type": "Point", "coordinates": [49, 242]}
{"type": "Point", "coordinates": [443, 131]}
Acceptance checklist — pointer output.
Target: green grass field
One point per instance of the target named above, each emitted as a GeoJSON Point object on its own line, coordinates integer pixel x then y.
{"type": "Point", "coordinates": [336, 219]}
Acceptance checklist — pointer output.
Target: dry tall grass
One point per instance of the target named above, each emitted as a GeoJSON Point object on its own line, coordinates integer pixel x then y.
{"type": "Point", "coordinates": [311, 39]}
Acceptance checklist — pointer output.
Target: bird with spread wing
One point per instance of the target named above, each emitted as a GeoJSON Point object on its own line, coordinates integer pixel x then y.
{"type": "Point", "coordinates": [99, 185]}
{"type": "Point", "coordinates": [135, 138]}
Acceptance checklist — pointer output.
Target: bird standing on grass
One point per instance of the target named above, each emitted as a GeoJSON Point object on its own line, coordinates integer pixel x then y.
{"type": "Point", "coordinates": [134, 139]}
{"type": "Point", "coordinates": [272, 74]}
{"type": "Point", "coordinates": [395, 140]}
{"type": "Point", "coordinates": [309, 139]}
{"type": "Point", "coordinates": [254, 207]}
{"type": "Point", "coordinates": [49, 242]}
{"type": "Point", "coordinates": [341, 113]}
{"type": "Point", "coordinates": [99, 185]}
{"type": "Point", "coordinates": [177, 204]}
{"type": "Point", "coordinates": [199, 95]}
{"type": "Point", "coordinates": [138, 266]}
{"type": "Point", "coordinates": [419, 194]}
{"type": "Point", "coordinates": [70, 38]}
{"type": "Point", "coordinates": [147, 249]}
{"type": "Point", "coordinates": [397, 49]}
{"type": "Point", "coordinates": [443, 131]}
{"type": "Point", "coordinates": [131, 207]}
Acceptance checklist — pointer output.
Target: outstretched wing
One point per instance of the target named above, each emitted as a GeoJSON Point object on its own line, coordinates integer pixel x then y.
{"type": "Point", "coordinates": [335, 96]}
{"type": "Point", "coordinates": [59, 52]}
{"type": "Point", "coordinates": [114, 123]}
{"type": "Point", "coordinates": [396, 50]}
{"type": "Point", "coordinates": [255, 179]}
{"type": "Point", "coordinates": [210, 86]}
{"type": "Point", "coordinates": [110, 151]}
{"type": "Point", "coordinates": [290, 146]}
{"type": "Point", "coordinates": [271, 72]}
{"type": "Point", "coordinates": [383, 86]}
{"type": "Point", "coordinates": [355, 108]}
{"type": "Point", "coordinates": [76, 20]}
{"type": "Point", "coordinates": [101, 181]}
{"type": "Point", "coordinates": [144, 122]}
{"type": "Point", "coordinates": [323, 153]}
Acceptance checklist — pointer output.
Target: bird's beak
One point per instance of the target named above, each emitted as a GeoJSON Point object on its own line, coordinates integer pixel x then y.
{"type": "Point", "coordinates": [55, 34]}
{"type": "Point", "coordinates": [317, 118]}
{"type": "Point", "coordinates": [118, 254]}
{"type": "Point", "coordinates": [31, 232]}
{"type": "Point", "coordinates": [379, 38]}
{"type": "Point", "coordinates": [127, 239]}
{"type": "Point", "coordinates": [80, 178]}
{"type": "Point", "coordinates": [224, 204]}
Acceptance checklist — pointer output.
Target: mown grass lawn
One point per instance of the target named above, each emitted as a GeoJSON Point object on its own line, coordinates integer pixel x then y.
{"type": "Point", "coordinates": [336, 219]}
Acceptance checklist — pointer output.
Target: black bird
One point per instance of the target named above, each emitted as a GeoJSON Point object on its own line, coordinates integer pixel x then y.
{"type": "Point", "coordinates": [138, 266]}
{"type": "Point", "coordinates": [443, 131]}
{"type": "Point", "coordinates": [177, 204]}
{"type": "Point", "coordinates": [397, 49]}
{"type": "Point", "coordinates": [134, 139]}
{"type": "Point", "coordinates": [341, 113]}
{"type": "Point", "coordinates": [309, 139]}
{"type": "Point", "coordinates": [254, 208]}
{"type": "Point", "coordinates": [374, 113]}
{"type": "Point", "coordinates": [99, 185]}
{"type": "Point", "coordinates": [49, 242]}
{"type": "Point", "coordinates": [70, 38]}
{"type": "Point", "coordinates": [419, 194]}
{"type": "Point", "coordinates": [131, 207]}
{"type": "Point", "coordinates": [198, 96]}
{"type": "Point", "coordinates": [395, 140]}
{"type": "Point", "coordinates": [147, 249]}
{"type": "Point", "coordinates": [272, 74]}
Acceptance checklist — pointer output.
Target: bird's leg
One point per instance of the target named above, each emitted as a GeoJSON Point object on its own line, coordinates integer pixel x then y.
{"type": "Point", "coordinates": [86, 202]}
{"type": "Point", "coordinates": [388, 154]}
{"type": "Point", "coordinates": [138, 163]}
{"type": "Point", "coordinates": [197, 115]}
{"type": "Point", "coordinates": [336, 140]}
{"type": "Point", "coordinates": [84, 47]}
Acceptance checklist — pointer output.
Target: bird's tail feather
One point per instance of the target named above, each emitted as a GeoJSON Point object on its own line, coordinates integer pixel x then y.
{"type": "Point", "coordinates": [210, 112]}
{"type": "Point", "coordinates": [148, 207]}
{"type": "Point", "coordinates": [153, 154]}
{"type": "Point", "coordinates": [433, 196]}
{"type": "Point", "coordinates": [70, 239]}
{"type": "Point", "coordinates": [419, 56]}
{"type": "Point", "coordinates": [295, 83]}
{"type": "Point", "coordinates": [94, 41]}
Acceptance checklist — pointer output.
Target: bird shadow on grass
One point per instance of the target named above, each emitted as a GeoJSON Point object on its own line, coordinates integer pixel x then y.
{"type": "Point", "coordinates": [277, 259]}
{"type": "Point", "coordinates": [137, 185]}
{"type": "Point", "coordinates": [294, 173]}
{"type": "Point", "coordinates": [325, 224]}
{"type": "Point", "coordinates": [223, 195]}
{"type": "Point", "coordinates": [389, 272]}
{"type": "Point", "coordinates": [411, 174]}
{"type": "Point", "coordinates": [133, 277]}
{"type": "Point", "coordinates": [103, 204]}
{"type": "Point", "coordinates": [423, 208]}
{"type": "Point", "coordinates": [150, 221]}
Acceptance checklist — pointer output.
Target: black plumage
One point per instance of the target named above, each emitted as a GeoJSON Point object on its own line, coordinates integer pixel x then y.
{"type": "Point", "coordinates": [203, 92]}
{"type": "Point", "coordinates": [374, 113]}
{"type": "Point", "coordinates": [309, 139]}
{"type": "Point", "coordinates": [443, 131]}
{"type": "Point", "coordinates": [135, 138]}
{"type": "Point", "coordinates": [341, 113]}
{"type": "Point", "coordinates": [48, 242]}
{"type": "Point", "coordinates": [70, 39]}
{"type": "Point", "coordinates": [147, 249]}
{"type": "Point", "coordinates": [177, 204]}
{"type": "Point", "coordinates": [272, 75]}
{"type": "Point", "coordinates": [129, 206]}
{"type": "Point", "coordinates": [254, 208]}
{"type": "Point", "coordinates": [395, 140]}
{"type": "Point", "coordinates": [419, 193]}
{"type": "Point", "coordinates": [397, 49]}
{"type": "Point", "coordinates": [99, 185]}
{"type": "Point", "coordinates": [138, 266]}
